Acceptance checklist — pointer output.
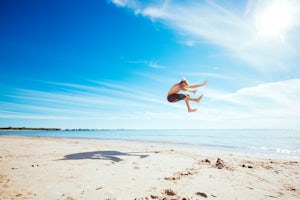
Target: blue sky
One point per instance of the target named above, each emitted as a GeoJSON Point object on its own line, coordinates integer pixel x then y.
{"type": "Point", "coordinates": [110, 64]}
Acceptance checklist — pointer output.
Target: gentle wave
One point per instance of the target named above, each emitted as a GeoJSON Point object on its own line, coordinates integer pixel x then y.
{"type": "Point", "coordinates": [282, 143]}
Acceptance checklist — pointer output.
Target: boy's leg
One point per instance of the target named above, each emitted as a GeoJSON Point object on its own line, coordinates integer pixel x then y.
{"type": "Point", "coordinates": [199, 98]}
{"type": "Point", "coordinates": [194, 99]}
{"type": "Point", "coordinates": [187, 102]}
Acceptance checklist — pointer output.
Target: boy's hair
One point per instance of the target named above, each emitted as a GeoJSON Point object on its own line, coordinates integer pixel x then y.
{"type": "Point", "coordinates": [183, 80]}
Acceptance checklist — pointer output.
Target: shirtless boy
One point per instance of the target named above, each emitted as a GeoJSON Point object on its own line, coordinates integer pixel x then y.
{"type": "Point", "coordinates": [174, 95]}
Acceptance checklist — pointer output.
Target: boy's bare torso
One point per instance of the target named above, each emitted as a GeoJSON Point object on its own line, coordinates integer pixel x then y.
{"type": "Point", "coordinates": [175, 89]}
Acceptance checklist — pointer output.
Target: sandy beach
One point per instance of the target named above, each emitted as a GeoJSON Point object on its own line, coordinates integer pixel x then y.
{"type": "Point", "coordinates": [69, 169]}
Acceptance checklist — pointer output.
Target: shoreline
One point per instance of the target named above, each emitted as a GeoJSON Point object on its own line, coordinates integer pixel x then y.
{"type": "Point", "coordinates": [65, 168]}
{"type": "Point", "coordinates": [211, 148]}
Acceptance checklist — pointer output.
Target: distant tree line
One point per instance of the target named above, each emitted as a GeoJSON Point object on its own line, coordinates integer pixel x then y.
{"type": "Point", "coordinates": [29, 129]}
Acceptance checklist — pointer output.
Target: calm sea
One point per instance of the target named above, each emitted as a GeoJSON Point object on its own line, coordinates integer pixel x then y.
{"type": "Point", "coordinates": [274, 143]}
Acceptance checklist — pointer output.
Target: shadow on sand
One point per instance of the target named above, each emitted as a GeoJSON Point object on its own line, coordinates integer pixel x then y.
{"type": "Point", "coordinates": [102, 155]}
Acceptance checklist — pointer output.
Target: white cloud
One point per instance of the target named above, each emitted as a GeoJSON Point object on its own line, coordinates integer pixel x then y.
{"type": "Point", "coordinates": [189, 43]}
{"type": "Point", "coordinates": [284, 94]}
{"type": "Point", "coordinates": [121, 3]}
{"type": "Point", "coordinates": [273, 104]}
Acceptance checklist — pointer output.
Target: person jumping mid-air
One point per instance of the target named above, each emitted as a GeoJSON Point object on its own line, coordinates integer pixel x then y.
{"type": "Point", "coordinates": [174, 95]}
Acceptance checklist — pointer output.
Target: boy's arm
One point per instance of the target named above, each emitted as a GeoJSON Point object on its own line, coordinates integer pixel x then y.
{"type": "Point", "coordinates": [199, 85]}
{"type": "Point", "coordinates": [187, 90]}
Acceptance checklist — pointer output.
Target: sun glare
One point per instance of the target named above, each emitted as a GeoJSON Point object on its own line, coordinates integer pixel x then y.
{"type": "Point", "coordinates": [274, 20]}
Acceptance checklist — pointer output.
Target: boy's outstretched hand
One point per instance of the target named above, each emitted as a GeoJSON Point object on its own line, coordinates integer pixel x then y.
{"type": "Point", "coordinates": [204, 83]}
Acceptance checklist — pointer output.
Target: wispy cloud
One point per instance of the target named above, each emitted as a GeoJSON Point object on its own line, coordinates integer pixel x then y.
{"type": "Point", "coordinates": [233, 29]}
{"type": "Point", "coordinates": [75, 101]}
{"type": "Point", "coordinates": [262, 104]}
{"type": "Point", "coordinates": [152, 64]}
{"type": "Point", "coordinates": [209, 75]}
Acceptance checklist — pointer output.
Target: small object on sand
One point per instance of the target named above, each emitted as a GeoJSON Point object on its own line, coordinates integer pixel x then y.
{"type": "Point", "coordinates": [170, 192]}
{"type": "Point", "coordinates": [202, 194]}
{"type": "Point", "coordinates": [220, 164]}
{"type": "Point", "coordinates": [249, 166]}
{"type": "Point", "coordinates": [206, 161]}
{"type": "Point", "coordinates": [34, 165]}
{"type": "Point", "coordinates": [170, 178]}
{"type": "Point", "coordinates": [153, 196]}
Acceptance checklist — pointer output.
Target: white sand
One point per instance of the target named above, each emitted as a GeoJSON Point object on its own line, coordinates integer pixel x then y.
{"type": "Point", "coordinates": [48, 168]}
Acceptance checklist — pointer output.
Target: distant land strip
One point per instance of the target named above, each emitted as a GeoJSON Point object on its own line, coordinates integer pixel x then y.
{"type": "Point", "coordinates": [28, 129]}
{"type": "Point", "coordinates": [56, 129]}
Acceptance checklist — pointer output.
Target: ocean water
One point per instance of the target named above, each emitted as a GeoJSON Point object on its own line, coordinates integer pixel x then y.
{"type": "Point", "coordinates": [270, 143]}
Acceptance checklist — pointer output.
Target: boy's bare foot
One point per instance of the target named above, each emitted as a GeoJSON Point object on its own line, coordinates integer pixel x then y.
{"type": "Point", "coordinates": [192, 110]}
{"type": "Point", "coordinates": [199, 98]}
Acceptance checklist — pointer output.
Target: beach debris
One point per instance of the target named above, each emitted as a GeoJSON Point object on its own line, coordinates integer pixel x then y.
{"type": "Point", "coordinates": [202, 194]}
{"type": "Point", "coordinates": [153, 196]}
{"type": "Point", "coordinates": [163, 197]}
{"type": "Point", "coordinates": [179, 175]}
{"type": "Point", "coordinates": [291, 163]}
{"type": "Point", "coordinates": [34, 165]}
{"type": "Point", "coordinates": [289, 187]}
{"type": "Point", "coordinates": [205, 161]}
{"type": "Point", "coordinates": [143, 198]}
{"type": "Point", "coordinates": [136, 167]}
{"type": "Point", "coordinates": [70, 198]}
{"type": "Point", "coordinates": [268, 167]}
{"type": "Point", "coordinates": [219, 164]}
{"type": "Point", "coordinates": [249, 166]}
{"type": "Point", "coordinates": [99, 188]}
{"type": "Point", "coordinates": [186, 173]}
{"type": "Point", "coordinates": [171, 178]}
{"type": "Point", "coordinates": [272, 196]}
{"type": "Point", "coordinates": [170, 192]}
